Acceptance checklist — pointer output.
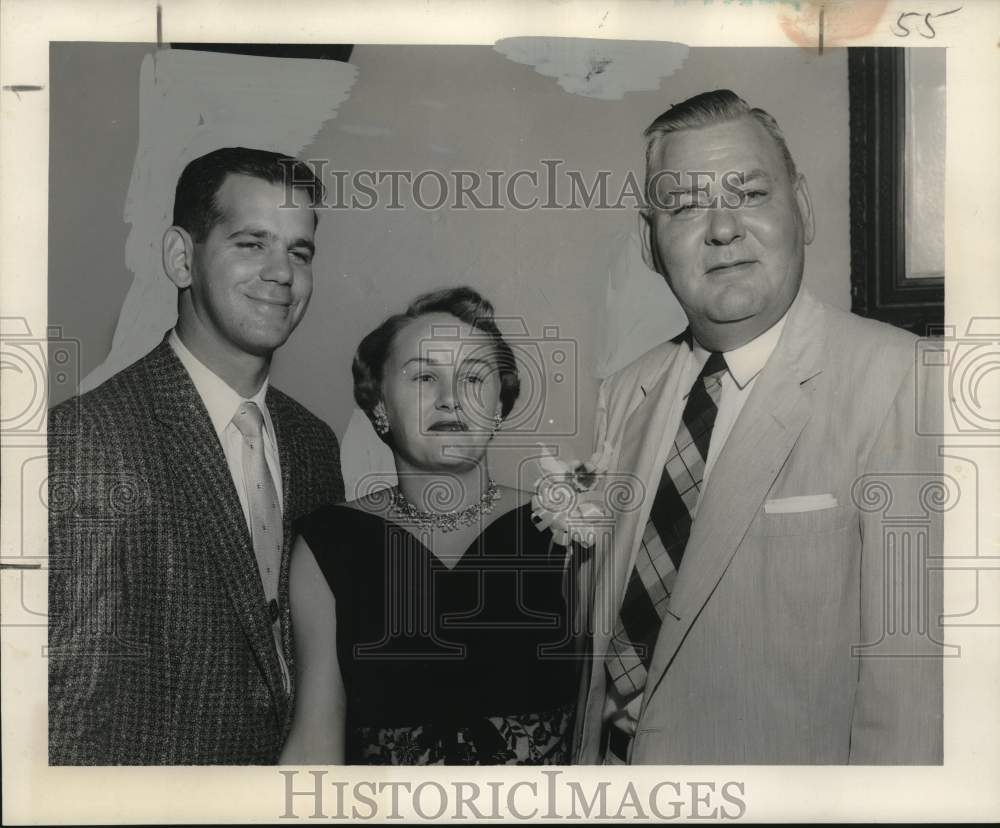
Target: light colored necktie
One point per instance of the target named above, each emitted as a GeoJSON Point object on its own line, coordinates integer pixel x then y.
{"type": "Point", "coordinates": [266, 529]}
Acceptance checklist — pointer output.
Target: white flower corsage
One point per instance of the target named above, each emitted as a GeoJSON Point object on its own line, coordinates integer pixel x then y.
{"type": "Point", "coordinates": [567, 500]}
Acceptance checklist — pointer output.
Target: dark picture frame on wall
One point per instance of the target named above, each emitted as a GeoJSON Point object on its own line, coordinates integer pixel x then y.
{"type": "Point", "coordinates": [884, 284]}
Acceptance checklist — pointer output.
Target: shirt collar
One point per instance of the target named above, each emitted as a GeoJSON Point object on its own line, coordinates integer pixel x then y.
{"type": "Point", "coordinates": [219, 398]}
{"type": "Point", "coordinates": [745, 362]}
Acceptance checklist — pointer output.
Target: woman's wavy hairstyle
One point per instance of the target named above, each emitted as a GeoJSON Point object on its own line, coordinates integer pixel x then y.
{"type": "Point", "coordinates": [463, 303]}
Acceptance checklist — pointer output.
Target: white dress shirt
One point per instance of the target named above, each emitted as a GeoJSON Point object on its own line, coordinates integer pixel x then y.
{"type": "Point", "coordinates": [743, 365]}
{"type": "Point", "coordinates": [222, 402]}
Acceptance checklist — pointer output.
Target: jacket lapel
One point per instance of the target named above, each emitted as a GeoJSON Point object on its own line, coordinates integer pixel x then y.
{"type": "Point", "coordinates": [204, 477]}
{"type": "Point", "coordinates": [285, 441]}
{"type": "Point", "coordinates": [646, 411]}
{"type": "Point", "coordinates": [756, 449]}
{"type": "Point", "coordinates": [293, 499]}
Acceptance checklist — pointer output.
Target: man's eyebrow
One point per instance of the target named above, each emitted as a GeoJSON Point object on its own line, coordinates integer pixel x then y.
{"type": "Point", "coordinates": [754, 174]}
{"type": "Point", "coordinates": [249, 231]}
{"type": "Point", "coordinates": [267, 235]}
{"type": "Point", "coordinates": [306, 243]}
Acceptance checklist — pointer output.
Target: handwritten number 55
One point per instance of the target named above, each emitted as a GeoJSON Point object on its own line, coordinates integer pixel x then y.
{"type": "Point", "coordinates": [905, 31]}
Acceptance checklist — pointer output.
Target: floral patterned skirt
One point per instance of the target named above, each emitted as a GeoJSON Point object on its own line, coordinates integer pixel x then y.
{"type": "Point", "coordinates": [522, 739]}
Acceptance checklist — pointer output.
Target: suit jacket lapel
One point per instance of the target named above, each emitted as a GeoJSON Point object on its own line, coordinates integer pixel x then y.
{"type": "Point", "coordinates": [646, 412]}
{"type": "Point", "coordinates": [205, 477]}
{"type": "Point", "coordinates": [284, 439]}
{"type": "Point", "coordinates": [292, 499]}
{"type": "Point", "coordinates": [760, 442]}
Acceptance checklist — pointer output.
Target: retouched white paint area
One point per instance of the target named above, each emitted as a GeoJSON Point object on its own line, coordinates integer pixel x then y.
{"type": "Point", "coordinates": [366, 462]}
{"type": "Point", "coordinates": [639, 313]}
{"type": "Point", "coordinates": [604, 69]}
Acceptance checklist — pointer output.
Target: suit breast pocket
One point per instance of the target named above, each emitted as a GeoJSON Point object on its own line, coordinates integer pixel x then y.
{"type": "Point", "coordinates": [794, 595]}
{"type": "Point", "coordinates": [813, 522]}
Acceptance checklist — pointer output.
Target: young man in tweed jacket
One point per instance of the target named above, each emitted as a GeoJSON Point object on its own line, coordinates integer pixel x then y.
{"type": "Point", "coordinates": [169, 630]}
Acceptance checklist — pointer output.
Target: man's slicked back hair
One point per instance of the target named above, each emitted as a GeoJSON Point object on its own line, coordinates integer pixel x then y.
{"type": "Point", "coordinates": [196, 208]}
{"type": "Point", "coordinates": [708, 109]}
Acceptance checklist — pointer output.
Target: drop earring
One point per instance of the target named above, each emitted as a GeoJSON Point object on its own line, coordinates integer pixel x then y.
{"type": "Point", "coordinates": [380, 420]}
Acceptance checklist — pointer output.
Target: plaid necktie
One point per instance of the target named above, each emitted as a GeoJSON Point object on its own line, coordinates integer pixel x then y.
{"type": "Point", "coordinates": [665, 536]}
{"type": "Point", "coordinates": [266, 529]}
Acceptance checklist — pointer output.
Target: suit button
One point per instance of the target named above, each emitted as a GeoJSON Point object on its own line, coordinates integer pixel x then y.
{"type": "Point", "coordinates": [272, 607]}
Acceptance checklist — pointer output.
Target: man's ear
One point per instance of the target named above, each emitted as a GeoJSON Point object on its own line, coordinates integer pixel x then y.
{"type": "Point", "coordinates": [805, 209]}
{"type": "Point", "coordinates": [646, 239]}
{"type": "Point", "coordinates": [178, 256]}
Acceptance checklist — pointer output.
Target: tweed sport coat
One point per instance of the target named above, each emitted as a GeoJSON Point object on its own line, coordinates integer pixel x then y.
{"type": "Point", "coordinates": [160, 649]}
{"type": "Point", "coordinates": [755, 662]}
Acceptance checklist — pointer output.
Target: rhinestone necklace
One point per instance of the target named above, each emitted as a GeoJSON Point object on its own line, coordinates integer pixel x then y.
{"type": "Point", "coordinates": [445, 521]}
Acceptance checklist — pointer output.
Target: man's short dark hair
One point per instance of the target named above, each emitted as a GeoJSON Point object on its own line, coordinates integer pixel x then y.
{"type": "Point", "coordinates": [195, 206]}
{"type": "Point", "coordinates": [463, 303]}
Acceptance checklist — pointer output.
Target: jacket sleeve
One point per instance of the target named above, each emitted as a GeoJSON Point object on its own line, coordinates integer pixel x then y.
{"type": "Point", "coordinates": [897, 717]}
{"type": "Point", "coordinates": [90, 498]}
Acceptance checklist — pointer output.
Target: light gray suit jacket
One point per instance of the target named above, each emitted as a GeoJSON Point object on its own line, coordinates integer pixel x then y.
{"type": "Point", "coordinates": [757, 659]}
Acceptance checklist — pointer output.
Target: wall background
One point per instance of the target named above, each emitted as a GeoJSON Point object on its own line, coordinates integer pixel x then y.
{"type": "Point", "coordinates": [444, 108]}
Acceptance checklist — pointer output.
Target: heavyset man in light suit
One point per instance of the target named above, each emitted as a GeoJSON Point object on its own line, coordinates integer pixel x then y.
{"type": "Point", "coordinates": [730, 620]}
{"type": "Point", "coordinates": [173, 488]}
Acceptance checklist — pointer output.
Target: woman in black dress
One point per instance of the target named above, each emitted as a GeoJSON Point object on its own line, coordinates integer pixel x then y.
{"type": "Point", "coordinates": [433, 620]}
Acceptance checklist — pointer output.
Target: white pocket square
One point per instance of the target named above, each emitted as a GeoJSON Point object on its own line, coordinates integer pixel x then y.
{"type": "Point", "coordinates": [802, 503]}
